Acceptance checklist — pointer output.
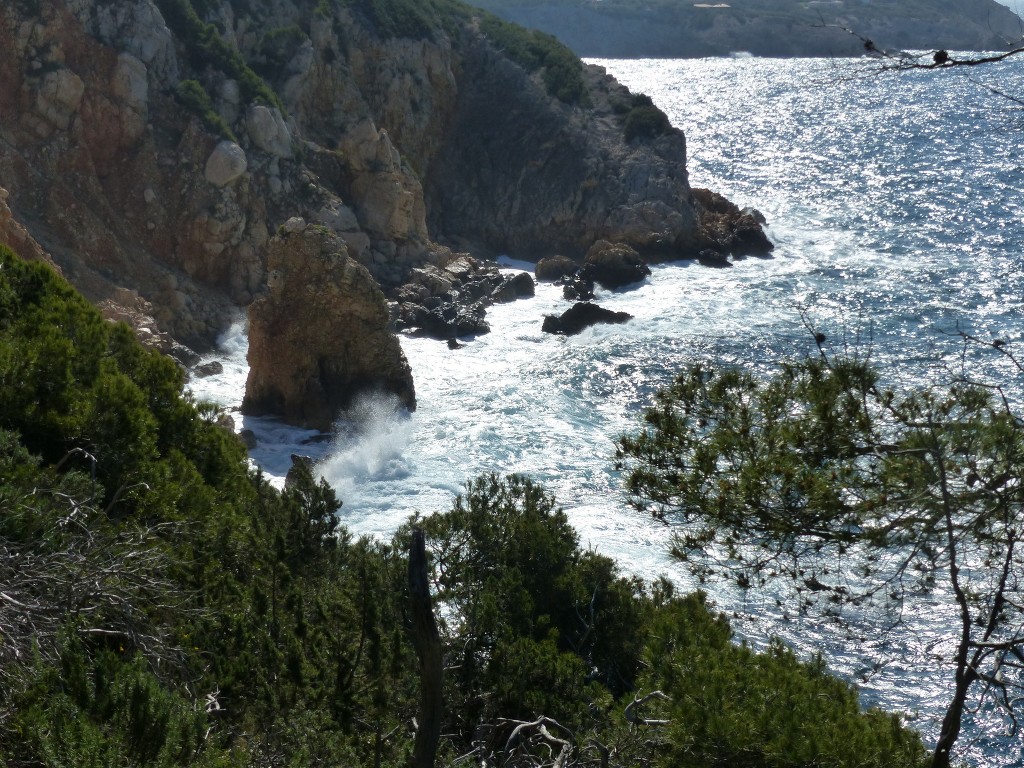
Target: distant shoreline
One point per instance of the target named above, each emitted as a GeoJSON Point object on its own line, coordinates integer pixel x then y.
{"type": "Point", "coordinates": [621, 30]}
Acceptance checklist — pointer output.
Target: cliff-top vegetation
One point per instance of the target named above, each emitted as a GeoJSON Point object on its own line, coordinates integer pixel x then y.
{"type": "Point", "coordinates": [162, 604]}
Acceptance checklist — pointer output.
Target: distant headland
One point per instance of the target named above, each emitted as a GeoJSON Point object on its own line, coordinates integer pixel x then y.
{"type": "Point", "coordinates": [780, 28]}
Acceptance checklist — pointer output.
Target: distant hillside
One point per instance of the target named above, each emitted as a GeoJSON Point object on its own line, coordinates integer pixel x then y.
{"type": "Point", "coordinates": [1017, 6]}
{"type": "Point", "coordinates": [687, 29]}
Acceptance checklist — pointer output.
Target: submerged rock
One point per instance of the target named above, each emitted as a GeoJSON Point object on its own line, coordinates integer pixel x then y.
{"type": "Point", "coordinates": [320, 334]}
{"type": "Point", "coordinates": [581, 316]}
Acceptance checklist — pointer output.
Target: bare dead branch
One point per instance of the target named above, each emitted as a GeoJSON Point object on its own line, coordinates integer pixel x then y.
{"type": "Point", "coordinates": [633, 717]}
{"type": "Point", "coordinates": [935, 59]}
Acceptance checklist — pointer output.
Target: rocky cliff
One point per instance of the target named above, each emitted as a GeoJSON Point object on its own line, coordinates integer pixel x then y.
{"type": "Point", "coordinates": [152, 148]}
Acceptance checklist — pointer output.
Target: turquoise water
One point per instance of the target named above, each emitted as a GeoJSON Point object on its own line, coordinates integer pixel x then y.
{"type": "Point", "coordinates": [897, 206]}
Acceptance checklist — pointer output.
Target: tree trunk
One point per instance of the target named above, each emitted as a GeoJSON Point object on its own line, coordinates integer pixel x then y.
{"type": "Point", "coordinates": [966, 676]}
{"type": "Point", "coordinates": [950, 727]}
{"type": "Point", "coordinates": [428, 647]}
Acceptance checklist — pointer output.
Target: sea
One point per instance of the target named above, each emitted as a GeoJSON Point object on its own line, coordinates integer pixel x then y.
{"type": "Point", "coordinates": [896, 203]}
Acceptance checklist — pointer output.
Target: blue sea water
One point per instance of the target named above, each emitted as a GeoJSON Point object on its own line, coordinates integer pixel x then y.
{"type": "Point", "coordinates": [896, 201]}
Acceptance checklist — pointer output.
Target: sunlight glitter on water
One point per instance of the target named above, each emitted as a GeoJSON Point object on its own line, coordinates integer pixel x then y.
{"type": "Point", "coordinates": [896, 207]}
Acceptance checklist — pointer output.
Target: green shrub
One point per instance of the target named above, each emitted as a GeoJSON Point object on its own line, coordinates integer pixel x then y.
{"type": "Point", "coordinates": [533, 50]}
{"type": "Point", "coordinates": [645, 122]}
{"type": "Point", "coordinates": [277, 48]}
{"type": "Point", "coordinates": [207, 48]}
{"type": "Point", "coordinates": [191, 95]}
{"type": "Point", "coordinates": [415, 19]}
{"type": "Point", "coordinates": [731, 706]}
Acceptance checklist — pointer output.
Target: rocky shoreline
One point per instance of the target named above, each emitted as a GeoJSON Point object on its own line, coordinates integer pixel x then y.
{"type": "Point", "coordinates": [161, 154]}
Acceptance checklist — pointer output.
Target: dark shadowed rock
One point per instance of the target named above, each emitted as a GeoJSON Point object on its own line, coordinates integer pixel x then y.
{"type": "Point", "coordinates": [248, 438]}
{"type": "Point", "coordinates": [450, 299]}
{"type": "Point", "coordinates": [212, 368]}
{"type": "Point", "coordinates": [523, 285]}
{"type": "Point", "coordinates": [713, 259]}
{"type": "Point", "coordinates": [614, 265]}
{"type": "Point", "coordinates": [578, 287]}
{"type": "Point", "coordinates": [580, 317]}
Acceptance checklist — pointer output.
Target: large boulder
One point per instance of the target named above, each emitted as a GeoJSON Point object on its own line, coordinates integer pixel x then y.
{"type": "Point", "coordinates": [320, 334]}
{"type": "Point", "coordinates": [226, 163]}
{"type": "Point", "coordinates": [552, 268]}
{"type": "Point", "coordinates": [614, 265]}
{"type": "Point", "coordinates": [581, 316]}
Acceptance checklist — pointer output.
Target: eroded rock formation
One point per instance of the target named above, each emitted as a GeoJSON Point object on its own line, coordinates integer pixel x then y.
{"type": "Point", "coordinates": [319, 336]}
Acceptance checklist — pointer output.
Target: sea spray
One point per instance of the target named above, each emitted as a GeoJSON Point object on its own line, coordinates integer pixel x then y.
{"type": "Point", "coordinates": [370, 441]}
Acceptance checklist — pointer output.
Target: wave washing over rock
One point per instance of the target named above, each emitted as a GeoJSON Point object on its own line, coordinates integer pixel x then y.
{"type": "Point", "coordinates": [896, 207]}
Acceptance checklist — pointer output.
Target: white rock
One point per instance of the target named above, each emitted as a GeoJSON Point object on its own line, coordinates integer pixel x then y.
{"type": "Point", "coordinates": [268, 131]}
{"type": "Point", "coordinates": [226, 163]}
{"type": "Point", "coordinates": [230, 99]}
{"type": "Point", "coordinates": [295, 224]}
{"type": "Point", "coordinates": [136, 26]}
{"type": "Point", "coordinates": [131, 82]}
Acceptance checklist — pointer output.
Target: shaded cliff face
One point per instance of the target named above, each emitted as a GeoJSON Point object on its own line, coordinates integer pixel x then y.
{"type": "Point", "coordinates": [539, 177]}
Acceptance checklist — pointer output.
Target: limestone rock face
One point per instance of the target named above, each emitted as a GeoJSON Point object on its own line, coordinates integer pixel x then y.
{"type": "Point", "coordinates": [59, 96]}
{"type": "Point", "coordinates": [319, 336]}
{"type": "Point", "coordinates": [559, 178]}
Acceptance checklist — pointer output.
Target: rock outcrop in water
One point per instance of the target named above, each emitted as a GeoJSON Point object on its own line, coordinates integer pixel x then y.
{"type": "Point", "coordinates": [581, 316]}
{"type": "Point", "coordinates": [151, 147]}
{"type": "Point", "coordinates": [450, 300]}
{"type": "Point", "coordinates": [319, 335]}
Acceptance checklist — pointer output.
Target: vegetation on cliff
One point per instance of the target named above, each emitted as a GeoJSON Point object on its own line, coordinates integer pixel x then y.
{"type": "Point", "coordinates": [206, 47]}
{"type": "Point", "coordinates": [161, 604]}
{"type": "Point", "coordinates": [563, 72]}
